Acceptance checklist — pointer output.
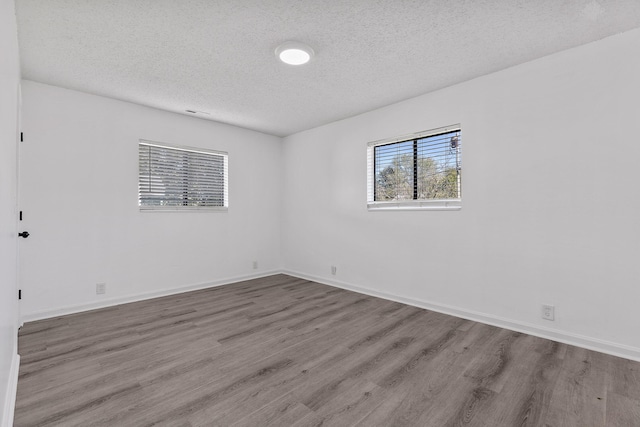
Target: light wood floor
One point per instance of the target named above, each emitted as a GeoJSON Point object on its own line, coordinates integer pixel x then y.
{"type": "Point", "coordinates": [282, 351]}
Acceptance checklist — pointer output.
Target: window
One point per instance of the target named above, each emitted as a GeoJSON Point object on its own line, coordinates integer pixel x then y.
{"type": "Point", "coordinates": [173, 178]}
{"type": "Point", "coordinates": [420, 171]}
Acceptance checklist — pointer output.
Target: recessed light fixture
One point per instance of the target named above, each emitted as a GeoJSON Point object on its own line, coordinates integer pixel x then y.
{"type": "Point", "coordinates": [294, 53]}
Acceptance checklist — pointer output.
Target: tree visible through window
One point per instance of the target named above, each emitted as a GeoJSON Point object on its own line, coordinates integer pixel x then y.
{"type": "Point", "coordinates": [424, 168]}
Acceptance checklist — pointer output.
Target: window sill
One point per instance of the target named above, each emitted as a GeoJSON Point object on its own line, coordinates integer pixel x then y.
{"type": "Point", "coordinates": [452, 205]}
{"type": "Point", "coordinates": [174, 209]}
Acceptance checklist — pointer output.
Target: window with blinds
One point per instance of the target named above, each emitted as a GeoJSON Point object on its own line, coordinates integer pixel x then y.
{"type": "Point", "coordinates": [180, 178]}
{"type": "Point", "coordinates": [416, 171]}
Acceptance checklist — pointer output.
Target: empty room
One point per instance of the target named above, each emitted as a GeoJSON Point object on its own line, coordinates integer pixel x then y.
{"type": "Point", "coordinates": [305, 213]}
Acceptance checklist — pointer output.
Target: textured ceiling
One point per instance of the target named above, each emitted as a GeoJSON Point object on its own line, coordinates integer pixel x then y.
{"type": "Point", "coordinates": [217, 56]}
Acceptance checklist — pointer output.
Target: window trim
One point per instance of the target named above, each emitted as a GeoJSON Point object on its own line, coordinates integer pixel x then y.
{"type": "Point", "coordinates": [225, 156]}
{"type": "Point", "coordinates": [421, 204]}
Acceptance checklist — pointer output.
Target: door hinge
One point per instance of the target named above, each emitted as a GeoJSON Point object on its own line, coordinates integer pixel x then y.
{"type": "Point", "coordinates": [19, 293]}
{"type": "Point", "coordinates": [20, 215]}
{"type": "Point", "coordinates": [21, 137]}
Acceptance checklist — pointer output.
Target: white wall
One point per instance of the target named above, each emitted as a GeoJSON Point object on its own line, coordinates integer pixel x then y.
{"type": "Point", "coordinates": [79, 177]}
{"type": "Point", "coordinates": [9, 90]}
{"type": "Point", "coordinates": [550, 200]}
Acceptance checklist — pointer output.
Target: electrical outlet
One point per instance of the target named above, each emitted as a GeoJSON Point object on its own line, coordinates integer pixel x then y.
{"type": "Point", "coordinates": [101, 288]}
{"type": "Point", "coordinates": [548, 312]}
{"type": "Point", "coordinates": [333, 270]}
{"type": "Point", "coordinates": [255, 265]}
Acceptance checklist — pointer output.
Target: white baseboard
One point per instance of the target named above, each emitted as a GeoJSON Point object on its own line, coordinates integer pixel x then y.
{"type": "Point", "coordinates": [602, 346]}
{"type": "Point", "coordinates": [61, 311]}
{"type": "Point", "coordinates": [12, 391]}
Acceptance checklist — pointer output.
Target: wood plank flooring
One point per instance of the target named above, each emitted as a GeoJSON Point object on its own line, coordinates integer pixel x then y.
{"type": "Point", "coordinates": [282, 351]}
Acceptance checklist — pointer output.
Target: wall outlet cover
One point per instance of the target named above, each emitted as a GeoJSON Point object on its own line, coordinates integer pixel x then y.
{"type": "Point", "coordinates": [548, 312]}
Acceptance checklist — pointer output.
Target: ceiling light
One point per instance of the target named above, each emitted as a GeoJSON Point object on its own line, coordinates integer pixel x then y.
{"type": "Point", "coordinates": [294, 53]}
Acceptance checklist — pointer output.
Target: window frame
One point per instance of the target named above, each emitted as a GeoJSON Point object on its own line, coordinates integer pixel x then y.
{"type": "Point", "coordinates": [419, 204]}
{"type": "Point", "coordinates": [206, 151]}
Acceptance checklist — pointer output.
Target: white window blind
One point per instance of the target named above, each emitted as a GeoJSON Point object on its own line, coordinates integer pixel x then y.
{"type": "Point", "coordinates": [422, 170]}
{"type": "Point", "coordinates": [178, 178]}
